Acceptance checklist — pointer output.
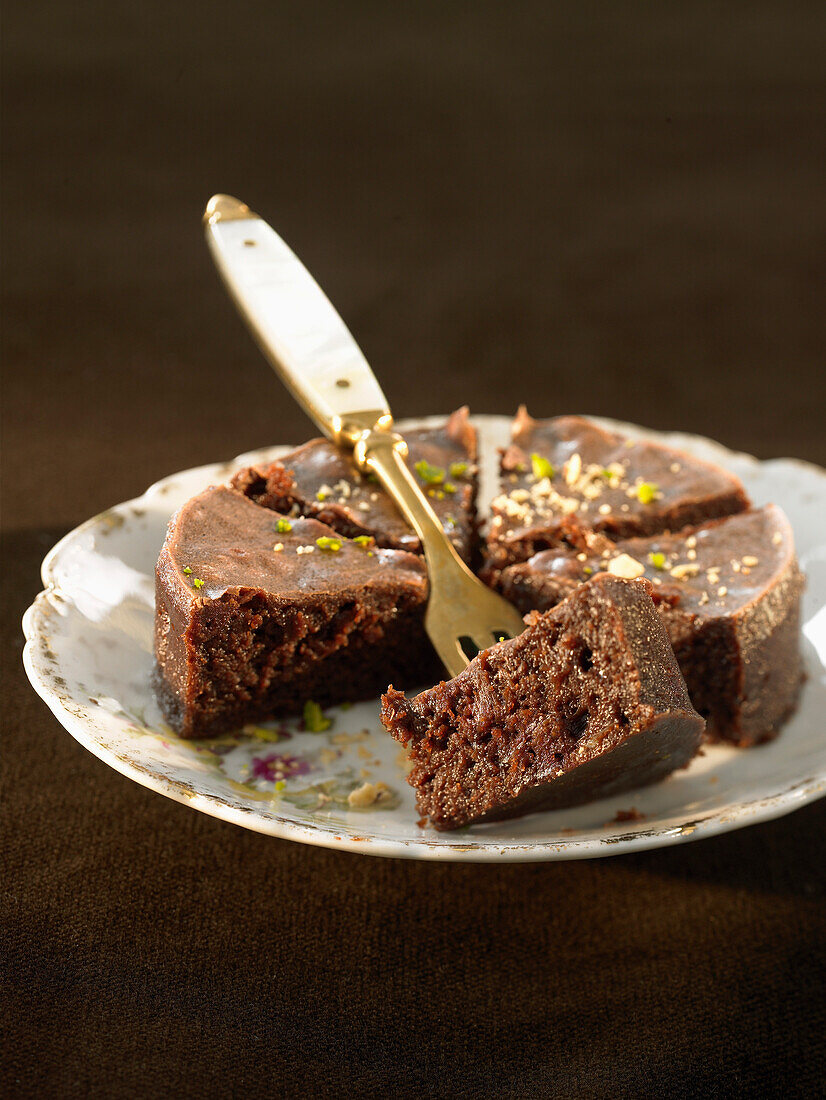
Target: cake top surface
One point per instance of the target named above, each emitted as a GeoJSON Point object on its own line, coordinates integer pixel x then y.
{"type": "Point", "coordinates": [442, 458]}
{"type": "Point", "coordinates": [228, 543]}
{"type": "Point", "coordinates": [714, 569]}
{"type": "Point", "coordinates": [570, 467]}
{"type": "Point", "coordinates": [616, 614]}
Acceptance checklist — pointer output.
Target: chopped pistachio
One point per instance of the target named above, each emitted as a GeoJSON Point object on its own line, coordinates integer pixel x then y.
{"type": "Point", "coordinates": [314, 719]}
{"type": "Point", "coordinates": [363, 540]}
{"type": "Point", "coordinates": [541, 467]}
{"type": "Point", "coordinates": [187, 570]}
{"type": "Point", "coordinates": [458, 469]}
{"type": "Point", "coordinates": [283, 526]}
{"type": "Point", "coordinates": [328, 543]}
{"type": "Point", "coordinates": [431, 475]}
{"type": "Point", "coordinates": [197, 582]}
{"type": "Point", "coordinates": [280, 785]}
{"type": "Point", "coordinates": [449, 487]}
{"type": "Point", "coordinates": [657, 559]}
{"type": "Point", "coordinates": [647, 492]}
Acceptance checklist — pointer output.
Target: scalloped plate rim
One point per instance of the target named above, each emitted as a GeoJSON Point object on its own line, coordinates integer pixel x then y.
{"type": "Point", "coordinates": [741, 814]}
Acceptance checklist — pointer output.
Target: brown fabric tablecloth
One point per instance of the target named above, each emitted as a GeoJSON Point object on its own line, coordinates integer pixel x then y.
{"type": "Point", "coordinates": [614, 208]}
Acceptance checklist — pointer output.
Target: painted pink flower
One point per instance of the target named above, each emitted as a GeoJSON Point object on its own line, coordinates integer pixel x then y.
{"type": "Point", "coordinates": [277, 766]}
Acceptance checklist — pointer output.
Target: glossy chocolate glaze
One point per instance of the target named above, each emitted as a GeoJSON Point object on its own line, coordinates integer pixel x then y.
{"type": "Point", "coordinates": [601, 481]}
{"type": "Point", "coordinates": [729, 593]}
{"type": "Point", "coordinates": [320, 480]}
{"type": "Point", "coordinates": [277, 619]}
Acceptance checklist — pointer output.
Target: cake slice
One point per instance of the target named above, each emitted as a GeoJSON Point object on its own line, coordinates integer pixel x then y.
{"type": "Point", "coordinates": [587, 702]}
{"type": "Point", "coordinates": [318, 479]}
{"type": "Point", "coordinates": [256, 613]}
{"type": "Point", "coordinates": [564, 477]}
{"type": "Point", "coordinates": [729, 594]}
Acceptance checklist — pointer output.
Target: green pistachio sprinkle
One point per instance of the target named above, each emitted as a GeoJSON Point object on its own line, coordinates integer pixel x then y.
{"type": "Point", "coordinates": [363, 540]}
{"type": "Point", "coordinates": [327, 543]}
{"type": "Point", "coordinates": [321, 496]}
{"type": "Point", "coordinates": [587, 570]}
{"type": "Point", "coordinates": [314, 719]}
{"type": "Point", "coordinates": [607, 474]}
{"type": "Point", "coordinates": [283, 526]}
{"type": "Point", "coordinates": [646, 492]}
{"type": "Point", "coordinates": [541, 467]}
{"type": "Point", "coordinates": [280, 785]}
{"type": "Point", "coordinates": [458, 469]}
{"type": "Point", "coordinates": [657, 559]}
{"type": "Point", "coordinates": [450, 522]}
{"type": "Point", "coordinates": [197, 582]}
{"type": "Point", "coordinates": [431, 475]}
{"type": "Point", "coordinates": [449, 487]}
{"type": "Point", "coordinates": [187, 570]}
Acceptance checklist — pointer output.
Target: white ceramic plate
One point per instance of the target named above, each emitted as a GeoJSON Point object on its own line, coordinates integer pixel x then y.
{"type": "Point", "coordinates": [89, 656]}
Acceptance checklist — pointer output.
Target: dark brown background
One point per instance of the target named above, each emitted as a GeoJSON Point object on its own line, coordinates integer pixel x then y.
{"type": "Point", "coordinates": [616, 208]}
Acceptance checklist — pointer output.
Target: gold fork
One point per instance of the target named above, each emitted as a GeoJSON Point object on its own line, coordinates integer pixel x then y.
{"type": "Point", "coordinates": [314, 353]}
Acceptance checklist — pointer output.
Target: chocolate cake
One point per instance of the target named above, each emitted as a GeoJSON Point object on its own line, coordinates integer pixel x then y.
{"type": "Point", "coordinates": [320, 480]}
{"type": "Point", "coordinates": [563, 477]}
{"type": "Point", "coordinates": [729, 594]}
{"type": "Point", "coordinates": [586, 703]}
{"type": "Point", "coordinates": [257, 612]}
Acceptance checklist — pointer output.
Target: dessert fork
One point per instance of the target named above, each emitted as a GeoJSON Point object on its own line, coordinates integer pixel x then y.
{"type": "Point", "coordinates": [310, 347]}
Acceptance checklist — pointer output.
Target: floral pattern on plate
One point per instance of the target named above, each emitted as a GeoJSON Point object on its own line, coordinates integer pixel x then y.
{"type": "Point", "coordinates": [89, 655]}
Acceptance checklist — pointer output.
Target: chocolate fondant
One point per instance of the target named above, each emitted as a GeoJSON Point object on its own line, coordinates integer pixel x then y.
{"type": "Point", "coordinates": [729, 594]}
{"type": "Point", "coordinates": [587, 702]}
{"type": "Point", "coordinates": [256, 613]}
{"type": "Point", "coordinates": [320, 480]}
{"type": "Point", "coordinates": [563, 477]}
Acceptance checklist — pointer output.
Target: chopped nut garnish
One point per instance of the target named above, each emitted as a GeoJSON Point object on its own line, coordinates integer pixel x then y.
{"type": "Point", "coordinates": [278, 546]}
{"type": "Point", "coordinates": [675, 467]}
{"type": "Point", "coordinates": [657, 559]}
{"type": "Point", "coordinates": [572, 469]}
{"type": "Point", "coordinates": [722, 590]}
{"type": "Point", "coordinates": [314, 719]}
{"type": "Point", "coordinates": [703, 599]}
{"type": "Point", "coordinates": [777, 538]}
{"type": "Point", "coordinates": [679, 572]}
{"type": "Point", "coordinates": [691, 541]}
{"type": "Point", "coordinates": [626, 566]}
{"type": "Point", "coordinates": [648, 492]}
{"type": "Point", "coordinates": [304, 549]}
{"type": "Point", "coordinates": [541, 467]}
{"type": "Point", "coordinates": [604, 509]}
{"type": "Point", "coordinates": [691, 555]}
{"type": "Point", "coordinates": [749, 559]}
{"type": "Point", "coordinates": [369, 794]}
